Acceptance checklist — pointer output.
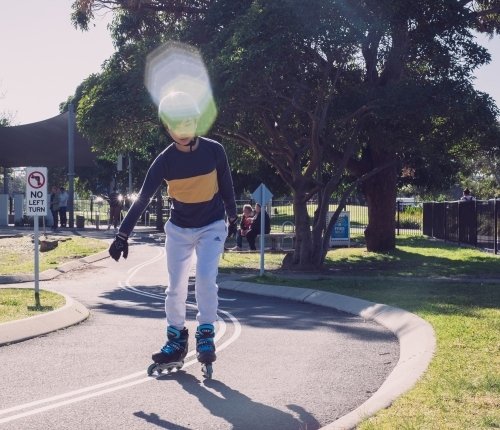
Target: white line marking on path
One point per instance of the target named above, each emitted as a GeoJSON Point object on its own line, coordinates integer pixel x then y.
{"type": "Point", "coordinates": [134, 270]}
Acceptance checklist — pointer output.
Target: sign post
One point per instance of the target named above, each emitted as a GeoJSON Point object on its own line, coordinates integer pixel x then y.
{"type": "Point", "coordinates": [36, 205]}
{"type": "Point", "coordinates": [262, 195]}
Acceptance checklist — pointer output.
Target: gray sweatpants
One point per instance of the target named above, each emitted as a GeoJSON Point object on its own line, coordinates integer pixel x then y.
{"type": "Point", "coordinates": [180, 243]}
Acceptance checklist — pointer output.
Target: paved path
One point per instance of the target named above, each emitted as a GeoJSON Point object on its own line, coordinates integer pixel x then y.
{"type": "Point", "coordinates": [281, 364]}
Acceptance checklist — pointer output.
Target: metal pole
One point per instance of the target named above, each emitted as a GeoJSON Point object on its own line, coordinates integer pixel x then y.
{"type": "Point", "coordinates": [495, 223]}
{"type": "Point", "coordinates": [71, 163]}
{"type": "Point", "coordinates": [262, 229]}
{"type": "Point", "coordinates": [37, 294]}
{"type": "Point", "coordinates": [398, 207]}
{"type": "Point", "coordinates": [5, 180]}
{"type": "Point", "coordinates": [130, 176]}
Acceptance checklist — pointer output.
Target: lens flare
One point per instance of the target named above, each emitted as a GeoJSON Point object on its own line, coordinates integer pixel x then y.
{"type": "Point", "coordinates": [176, 67]}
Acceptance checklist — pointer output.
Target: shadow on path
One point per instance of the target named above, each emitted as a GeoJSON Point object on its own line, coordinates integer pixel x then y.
{"type": "Point", "coordinates": [237, 409]}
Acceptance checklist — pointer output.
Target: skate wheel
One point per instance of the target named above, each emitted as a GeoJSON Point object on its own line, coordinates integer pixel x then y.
{"type": "Point", "coordinates": [207, 371]}
{"type": "Point", "coordinates": [151, 369]}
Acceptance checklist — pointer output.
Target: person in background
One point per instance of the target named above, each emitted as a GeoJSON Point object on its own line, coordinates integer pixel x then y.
{"type": "Point", "coordinates": [54, 207]}
{"type": "Point", "coordinates": [63, 196]}
{"type": "Point", "coordinates": [246, 222]}
{"type": "Point", "coordinates": [115, 208]}
{"type": "Point", "coordinates": [467, 196]}
{"type": "Point", "coordinates": [255, 227]}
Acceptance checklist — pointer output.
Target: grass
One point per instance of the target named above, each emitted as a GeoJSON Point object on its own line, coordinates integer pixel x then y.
{"type": "Point", "coordinates": [243, 262]}
{"type": "Point", "coordinates": [20, 303]}
{"type": "Point", "coordinates": [415, 256]}
{"type": "Point", "coordinates": [17, 254]}
{"type": "Point", "coordinates": [461, 389]}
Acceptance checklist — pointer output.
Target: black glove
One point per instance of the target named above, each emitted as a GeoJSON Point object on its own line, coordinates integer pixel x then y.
{"type": "Point", "coordinates": [232, 227]}
{"type": "Point", "coordinates": [119, 245]}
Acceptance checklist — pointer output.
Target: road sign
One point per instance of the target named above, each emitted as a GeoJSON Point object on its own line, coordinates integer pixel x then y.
{"type": "Point", "coordinates": [36, 191]}
{"type": "Point", "coordinates": [262, 195]}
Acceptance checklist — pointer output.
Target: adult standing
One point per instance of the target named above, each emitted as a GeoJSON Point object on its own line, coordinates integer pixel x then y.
{"type": "Point", "coordinates": [55, 206]}
{"type": "Point", "coordinates": [63, 196]}
{"type": "Point", "coordinates": [115, 208]}
{"type": "Point", "coordinates": [255, 227]}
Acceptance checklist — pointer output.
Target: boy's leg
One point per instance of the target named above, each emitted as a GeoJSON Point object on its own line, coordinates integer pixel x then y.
{"type": "Point", "coordinates": [179, 244]}
{"type": "Point", "coordinates": [239, 239]}
{"type": "Point", "coordinates": [210, 242]}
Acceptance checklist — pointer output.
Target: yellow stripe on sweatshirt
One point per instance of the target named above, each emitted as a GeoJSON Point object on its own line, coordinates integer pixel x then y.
{"type": "Point", "coordinates": [197, 189]}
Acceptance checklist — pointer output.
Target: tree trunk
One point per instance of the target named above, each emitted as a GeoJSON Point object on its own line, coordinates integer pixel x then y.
{"type": "Point", "coordinates": [381, 191]}
{"type": "Point", "coordinates": [302, 256]}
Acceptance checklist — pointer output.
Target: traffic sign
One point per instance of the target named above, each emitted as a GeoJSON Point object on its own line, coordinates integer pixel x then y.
{"type": "Point", "coordinates": [36, 191]}
{"type": "Point", "coordinates": [262, 195]}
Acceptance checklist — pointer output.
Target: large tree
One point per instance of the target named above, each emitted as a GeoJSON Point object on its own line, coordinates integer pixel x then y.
{"type": "Point", "coordinates": [322, 86]}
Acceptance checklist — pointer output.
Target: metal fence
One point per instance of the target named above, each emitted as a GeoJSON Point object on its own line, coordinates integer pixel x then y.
{"type": "Point", "coordinates": [409, 219]}
{"type": "Point", "coordinates": [473, 223]}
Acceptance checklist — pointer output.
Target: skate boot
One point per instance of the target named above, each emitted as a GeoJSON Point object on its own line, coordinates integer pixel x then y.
{"type": "Point", "coordinates": [205, 348]}
{"type": "Point", "coordinates": [172, 355]}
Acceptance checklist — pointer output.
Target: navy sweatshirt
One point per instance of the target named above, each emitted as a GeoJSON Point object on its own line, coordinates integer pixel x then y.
{"type": "Point", "coordinates": [199, 184]}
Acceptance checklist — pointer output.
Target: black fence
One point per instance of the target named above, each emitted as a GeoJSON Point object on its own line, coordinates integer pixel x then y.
{"type": "Point", "coordinates": [409, 218]}
{"type": "Point", "coordinates": [473, 223]}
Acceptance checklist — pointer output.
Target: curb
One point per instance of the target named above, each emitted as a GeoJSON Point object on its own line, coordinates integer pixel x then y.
{"type": "Point", "coordinates": [49, 274]}
{"type": "Point", "coordinates": [417, 341]}
{"type": "Point", "coordinates": [71, 313]}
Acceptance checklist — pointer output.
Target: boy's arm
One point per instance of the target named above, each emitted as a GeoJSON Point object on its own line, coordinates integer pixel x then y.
{"type": "Point", "coordinates": [153, 180]}
{"type": "Point", "coordinates": [225, 182]}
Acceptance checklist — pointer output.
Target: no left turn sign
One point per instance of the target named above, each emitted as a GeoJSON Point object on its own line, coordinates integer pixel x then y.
{"type": "Point", "coordinates": [36, 191]}
{"type": "Point", "coordinates": [36, 179]}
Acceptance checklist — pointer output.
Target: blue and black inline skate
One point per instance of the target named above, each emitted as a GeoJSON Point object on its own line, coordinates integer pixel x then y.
{"type": "Point", "coordinates": [172, 355]}
{"type": "Point", "coordinates": [205, 348]}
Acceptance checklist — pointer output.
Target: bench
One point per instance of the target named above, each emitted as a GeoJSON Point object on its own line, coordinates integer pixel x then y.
{"type": "Point", "coordinates": [277, 239]}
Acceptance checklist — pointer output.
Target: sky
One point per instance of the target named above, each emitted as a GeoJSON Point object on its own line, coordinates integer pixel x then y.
{"type": "Point", "coordinates": [43, 58]}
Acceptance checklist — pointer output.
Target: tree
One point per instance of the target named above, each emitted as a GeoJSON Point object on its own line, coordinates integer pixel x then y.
{"type": "Point", "coordinates": [316, 85]}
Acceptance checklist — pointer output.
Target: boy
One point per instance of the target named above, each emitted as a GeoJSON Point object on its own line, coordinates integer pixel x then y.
{"type": "Point", "coordinates": [200, 185]}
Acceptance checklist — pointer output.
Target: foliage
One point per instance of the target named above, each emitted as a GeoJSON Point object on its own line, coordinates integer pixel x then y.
{"type": "Point", "coordinates": [318, 85]}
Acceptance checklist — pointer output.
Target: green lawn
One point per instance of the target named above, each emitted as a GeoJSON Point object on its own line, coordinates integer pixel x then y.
{"type": "Point", "coordinates": [17, 303]}
{"type": "Point", "coordinates": [17, 254]}
{"type": "Point", "coordinates": [461, 389]}
{"type": "Point", "coordinates": [415, 256]}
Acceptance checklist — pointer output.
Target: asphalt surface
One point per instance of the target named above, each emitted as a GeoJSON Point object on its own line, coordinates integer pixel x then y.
{"type": "Point", "coordinates": [281, 364]}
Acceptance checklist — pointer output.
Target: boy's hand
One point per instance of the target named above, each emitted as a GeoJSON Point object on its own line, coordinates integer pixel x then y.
{"type": "Point", "coordinates": [119, 245]}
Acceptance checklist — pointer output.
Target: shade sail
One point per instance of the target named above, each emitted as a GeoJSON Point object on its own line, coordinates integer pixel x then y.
{"type": "Point", "coordinates": [43, 143]}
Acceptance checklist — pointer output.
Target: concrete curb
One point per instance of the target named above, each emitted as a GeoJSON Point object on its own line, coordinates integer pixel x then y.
{"type": "Point", "coordinates": [49, 274]}
{"type": "Point", "coordinates": [417, 342]}
{"type": "Point", "coordinates": [71, 313]}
